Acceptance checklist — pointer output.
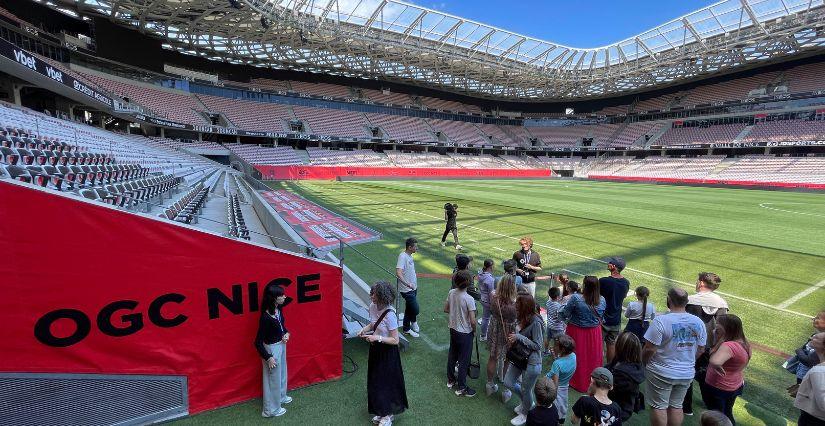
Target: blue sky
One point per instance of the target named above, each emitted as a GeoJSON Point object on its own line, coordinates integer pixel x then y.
{"type": "Point", "coordinates": [572, 22]}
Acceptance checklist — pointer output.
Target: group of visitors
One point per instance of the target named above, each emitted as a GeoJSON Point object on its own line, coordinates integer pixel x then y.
{"type": "Point", "coordinates": [653, 361]}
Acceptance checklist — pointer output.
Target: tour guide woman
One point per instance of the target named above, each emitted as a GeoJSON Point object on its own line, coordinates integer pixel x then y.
{"type": "Point", "coordinates": [271, 345]}
{"type": "Point", "coordinates": [584, 313]}
{"type": "Point", "coordinates": [386, 394]}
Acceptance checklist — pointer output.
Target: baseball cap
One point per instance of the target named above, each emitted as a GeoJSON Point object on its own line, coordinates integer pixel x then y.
{"type": "Point", "coordinates": [616, 261]}
{"type": "Point", "coordinates": [602, 376]}
{"type": "Point", "coordinates": [462, 260]}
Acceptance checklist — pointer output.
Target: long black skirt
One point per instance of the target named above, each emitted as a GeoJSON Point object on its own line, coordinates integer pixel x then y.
{"type": "Point", "coordinates": [386, 393]}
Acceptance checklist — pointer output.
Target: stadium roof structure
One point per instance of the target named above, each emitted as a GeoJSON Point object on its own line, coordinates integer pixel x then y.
{"type": "Point", "coordinates": [396, 41]}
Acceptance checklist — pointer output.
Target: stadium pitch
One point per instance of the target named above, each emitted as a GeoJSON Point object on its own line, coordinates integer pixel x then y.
{"type": "Point", "coordinates": [768, 247]}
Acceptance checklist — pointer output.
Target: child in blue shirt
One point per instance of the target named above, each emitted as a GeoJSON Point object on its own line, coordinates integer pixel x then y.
{"type": "Point", "coordinates": [555, 326]}
{"type": "Point", "coordinates": [562, 371]}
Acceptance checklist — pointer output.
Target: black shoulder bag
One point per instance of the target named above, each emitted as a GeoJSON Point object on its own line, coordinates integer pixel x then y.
{"type": "Point", "coordinates": [519, 353]}
{"type": "Point", "coordinates": [474, 369]}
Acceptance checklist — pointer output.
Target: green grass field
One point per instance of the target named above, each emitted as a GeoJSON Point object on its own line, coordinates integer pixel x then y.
{"type": "Point", "coordinates": [768, 247]}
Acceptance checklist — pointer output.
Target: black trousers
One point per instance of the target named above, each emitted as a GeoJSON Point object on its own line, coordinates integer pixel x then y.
{"type": "Point", "coordinates": [461, 349]}
{"type": "Point", "coordinates": [720, 400]}
{"type": "Point", "coordinates": [454, 229]}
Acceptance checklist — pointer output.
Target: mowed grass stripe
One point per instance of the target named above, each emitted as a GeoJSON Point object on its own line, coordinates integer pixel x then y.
{"type": "Point", "coordinates": [764, 401]}
{"type": "Point", "coordinates": [719, 213]}
{"type": "Point", "coordinates": [757, 265]}
{"type": "Point", "coordinates": [751, 265]}
{"type": "Point", "coordinates": [767, 326]}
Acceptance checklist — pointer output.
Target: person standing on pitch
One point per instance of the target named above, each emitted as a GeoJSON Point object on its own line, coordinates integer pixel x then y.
{"type": "Point", "coordinates": [408, 286]}
{"type": "Point", "coordinates": [672, 343]}
{"type": "Point", "coordinates": [461, 308]}
{"type": "Point", "coordinates": [707, 305]}
{"type": "Point", "coordinates": [450, 215]}
{"type": "Point", "coordinates": [270, 341]}
{"type": "Point", "coordinates": [487, 287]}
{"type": "Point", "coordinates": [386, 391]}
{"type": "Point", "coordinates": [614, 289]}
{"type": "Point", "coordinates": [528, 263]}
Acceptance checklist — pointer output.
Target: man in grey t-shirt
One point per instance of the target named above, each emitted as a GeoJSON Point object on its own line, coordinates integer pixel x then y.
{"type": "Point", "coordinates": [408, 286]}
{"type": "Point", "coordinates": [672, 343]}
{"type": "Point", "coordinates": [462, 310]}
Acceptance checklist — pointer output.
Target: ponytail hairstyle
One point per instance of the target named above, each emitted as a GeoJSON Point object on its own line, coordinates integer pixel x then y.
{"type": "Point", "coordinates": [643, 293]}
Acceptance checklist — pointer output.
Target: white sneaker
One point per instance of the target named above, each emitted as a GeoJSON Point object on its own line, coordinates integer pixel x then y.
{"type": "Point", "coordinates": [506, 395]}
{"type": "Point", "coordinates": [458, 247]}
{"type": "Point", "coordinates": [443, 244]}
{"type": "Point", "coordinates": [287, 399]}
{"type": "Point", "coordinates": [414, 326]}
{"type": "Point", "coordinates": [519, 420]}
{"type": "Point", "coordinates": [278, 413]}
{"type": "Point", "coordinates": [479, 321]}
{"type": "Point", "coordinates": [491, 388]}
{"type": "Point", "coordinates": [385, 421]}
{"type": "Point", "coordinates": [412, 333]}
{"type": "Point", "coordinates": [376, 420]}
{"type": "Point", "coordinates": [518, 409]}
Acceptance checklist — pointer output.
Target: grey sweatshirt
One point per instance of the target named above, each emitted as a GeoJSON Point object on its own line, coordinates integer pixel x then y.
{"type": "Point", "coordinates": [534, 339]}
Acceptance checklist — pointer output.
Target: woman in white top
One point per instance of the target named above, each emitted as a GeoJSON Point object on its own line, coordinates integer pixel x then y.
{"type": "Point", "coordinates": [810, 397]}
{"type": "Point", "coordinates": [386, 393]}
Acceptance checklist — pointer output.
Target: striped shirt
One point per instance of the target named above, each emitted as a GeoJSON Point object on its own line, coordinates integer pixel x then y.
{"type": "Point", "coordinates": [553, 321]}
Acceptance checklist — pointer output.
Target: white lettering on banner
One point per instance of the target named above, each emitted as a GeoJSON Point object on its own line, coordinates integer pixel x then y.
{"type": "Point", "coordinates": [25, 59]}
{"type": "Point", "coordinates": [54, 74]}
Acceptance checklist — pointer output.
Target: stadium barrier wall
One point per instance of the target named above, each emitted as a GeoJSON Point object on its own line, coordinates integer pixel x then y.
{"type": "Point", "coordinates": [712, 182]}
{"type": "Point", "coordinates": [300, 172]}
{"type": "Point", "coordinates": [88, 288]}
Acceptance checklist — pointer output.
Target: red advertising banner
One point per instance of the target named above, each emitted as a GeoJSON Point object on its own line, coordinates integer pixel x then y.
{"type": "Point", "coordinates": [317, 225]}
{"type": "Point", "coordinates": [91, 289]}
{"type": "Point", "coordinates": [330, 173]}
{"type": "Point", "coordinates": [751, 183]}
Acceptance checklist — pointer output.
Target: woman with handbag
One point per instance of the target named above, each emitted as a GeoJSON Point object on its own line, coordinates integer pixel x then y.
{"type": "Point", "coordinates": [730, 355]}
{"type": "Point", "coordinates": [386, 393]}
{"type": "Point", "coordinates": [524, 356]}
{"type": "Point", "coordinates": [502, 320]}
{"type": "Point", "coordinates": [584, 313]}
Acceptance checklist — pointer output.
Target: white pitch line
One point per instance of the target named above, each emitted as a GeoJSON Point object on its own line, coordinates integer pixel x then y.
{"type": "Point", "coordinates": [681, 283]}
{"type": "Point", "coordinates": [802, 294]}
{"type": "Point", "coordinates": [431, 344]}
{"type": "Point", "coordinates": [471, 240]}
{"type": "Point", "coordinates": [765, 206]}
{"type": "Point", "coordinates": [498, 248]}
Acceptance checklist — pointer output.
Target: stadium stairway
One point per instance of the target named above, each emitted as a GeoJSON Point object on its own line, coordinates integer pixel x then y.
{"type": "Point", "coordinates": [303, 155]}
{"type": "Point", "coordinates": [724, 164]}
{"type": "Point", "coordinates": [743, 134]}
{"type": "Point", "coordinates": [657, 133]}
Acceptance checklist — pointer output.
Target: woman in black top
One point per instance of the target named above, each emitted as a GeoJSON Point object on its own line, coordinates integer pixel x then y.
{"type": "Point", "coordinates": [450, 215]}
{"type": "Point", "coordinates": [271, 345]}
